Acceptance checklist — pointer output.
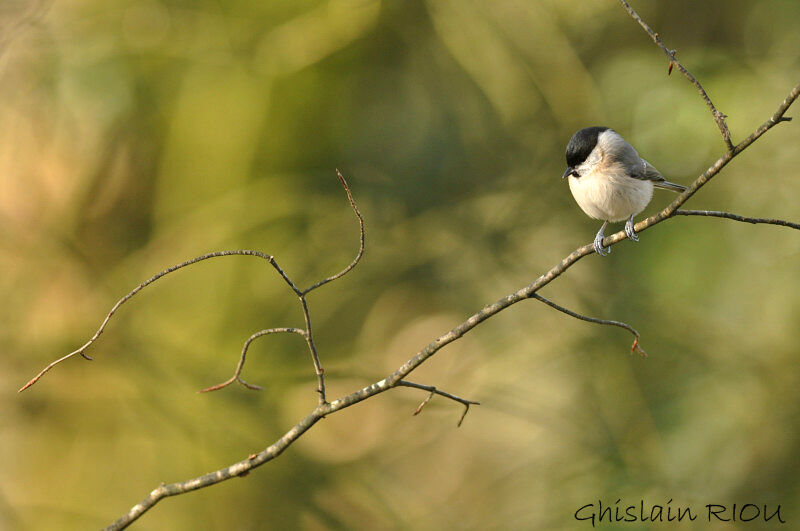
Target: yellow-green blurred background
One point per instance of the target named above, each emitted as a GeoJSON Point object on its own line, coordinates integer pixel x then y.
{"type": "Point", "coordinates": [135, 134]}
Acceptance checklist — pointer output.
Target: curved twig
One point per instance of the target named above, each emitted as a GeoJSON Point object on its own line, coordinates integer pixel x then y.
{"type": "Point", "coordinates": [636, 338]}
{"type": "Point", "coordinates": [137, 289]}
{"type": "Point", "coordinates": [237, 375]}
{"type": "Point", "coordinates": [361, 244]}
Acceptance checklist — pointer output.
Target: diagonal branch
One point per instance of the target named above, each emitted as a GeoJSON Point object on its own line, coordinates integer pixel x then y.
{"type": "Point", "coordinates": [636, 338]}
{"type": "Point", "coordinates": [719, 117]}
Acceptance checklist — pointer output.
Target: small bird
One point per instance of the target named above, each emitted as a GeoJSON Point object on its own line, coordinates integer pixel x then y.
{"type": "Point", "coordinates": [609, 180]}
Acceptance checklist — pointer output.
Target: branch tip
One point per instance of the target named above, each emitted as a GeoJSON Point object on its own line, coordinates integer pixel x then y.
{"type": "Point", "coordinates": [463, 415]}
{"type": "Point", "coordinates": [30, 383]}
{"type": "Point", "coordinates": [636, 348]}
{"type": "Point", "coordinates": [423, 403]}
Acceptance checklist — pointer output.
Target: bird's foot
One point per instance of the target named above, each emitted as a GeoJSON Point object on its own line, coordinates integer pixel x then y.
{"type": "Point", "coordinates": [598, 243]}
{"type": "Point", "coordinates": [629, 230]}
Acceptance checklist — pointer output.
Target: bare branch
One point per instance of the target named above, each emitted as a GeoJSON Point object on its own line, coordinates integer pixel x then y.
{"type": "Point", "coordinates": [434, 391]}
{"type": "Point", "coordinates": [397, 378]}
{"type": "Point", "coordinates": [636, 339]}
{"type": "Point", "coordinates": [719, 117]}
{"type": "Point", "coordinates": [301, 294]}
{"type": "Point", "coordinates": [237, 375]}
{"type": "Point", "coordinates": [243, 467]}
{"type": "Point", "coordinates": [736, 217]}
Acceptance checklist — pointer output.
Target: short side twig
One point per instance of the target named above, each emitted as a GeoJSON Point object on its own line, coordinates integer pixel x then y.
{"type": "Point", "coordinates": [636, 338]}
{"type": "Point", "coordinates": [434, 391]}
{"type": "Point", "coordinates": [736, 217]}
{"type": "Point", "coordinates": [719, 117]}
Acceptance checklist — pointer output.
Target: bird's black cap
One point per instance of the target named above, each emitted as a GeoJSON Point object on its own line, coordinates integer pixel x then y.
{"type": "Point", "coordinates": [581, 144]}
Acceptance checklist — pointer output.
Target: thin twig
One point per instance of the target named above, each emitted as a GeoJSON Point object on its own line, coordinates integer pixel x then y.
{"type": "Point", "coordinates": [320, 372]}
{"type": "Point", "coordinates": [434, 391]}
{"type": "Point", "coordinates": [312, 348]}
{"type": "Point", "coordinates": [82, 350]}
{"type": "Point", "coordinates": [237, 375]}
{"type": "Point", "coordinates": [361, 243]}
{"type": "Point", "coordinates": [736, 217]}
{"type": "Point", "coordinates": [636, 338]}
{"type": "Point", "coordinates": [719, 117]}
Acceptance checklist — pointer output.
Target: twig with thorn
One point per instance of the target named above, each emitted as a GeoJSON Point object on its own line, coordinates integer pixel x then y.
{"type": "Point", "coordinates": [719, 117]}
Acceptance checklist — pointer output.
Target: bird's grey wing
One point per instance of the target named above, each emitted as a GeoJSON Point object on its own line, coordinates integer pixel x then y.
{"type": "Point", "coordinates": [638, 168]}
{"type": "Point", "coordinates": [650, 173]}
{"type": "Point", "coordinates": [626, 156]}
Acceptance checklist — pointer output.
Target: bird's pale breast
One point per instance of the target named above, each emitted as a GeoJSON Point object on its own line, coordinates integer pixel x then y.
{"type": "Point", "coordinates": [610, 197]}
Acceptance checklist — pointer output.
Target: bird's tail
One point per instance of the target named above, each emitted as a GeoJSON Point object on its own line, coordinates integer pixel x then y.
{"type": "Point", "coordinates": [666, 185]}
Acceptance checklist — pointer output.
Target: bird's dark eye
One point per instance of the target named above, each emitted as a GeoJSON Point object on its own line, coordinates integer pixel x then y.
{"type": "Point", "coordinates": [575, 173]}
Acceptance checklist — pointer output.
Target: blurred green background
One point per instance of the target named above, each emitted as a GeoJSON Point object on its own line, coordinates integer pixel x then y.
{"type": "Point", "coordinates": [137, 134]}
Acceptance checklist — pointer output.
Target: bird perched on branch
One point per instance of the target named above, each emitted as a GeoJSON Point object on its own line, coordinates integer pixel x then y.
{"type": "Point", "coordinates": [609, 180]}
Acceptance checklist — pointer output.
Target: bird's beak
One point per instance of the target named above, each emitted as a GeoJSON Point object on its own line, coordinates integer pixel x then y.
{"type": "Point", "coordinates": [568, 172]}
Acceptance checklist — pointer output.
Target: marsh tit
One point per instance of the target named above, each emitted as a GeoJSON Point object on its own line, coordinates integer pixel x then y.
{"type": "Point", "coordinates": [609, 180]}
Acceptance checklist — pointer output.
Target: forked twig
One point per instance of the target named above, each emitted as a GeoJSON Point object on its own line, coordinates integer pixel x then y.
{"type": "Point", "coordinates": [301, 294]}
{"type": "Point", "coordinates": [434, 391]}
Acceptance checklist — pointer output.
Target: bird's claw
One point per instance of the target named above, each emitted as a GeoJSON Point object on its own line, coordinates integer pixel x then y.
{"type": "Point", "coordinates": [598, 246]}
{"type": "Point", "coordinates": [598, 241]}
{"type": "Point", "coordinates": [630, 232]}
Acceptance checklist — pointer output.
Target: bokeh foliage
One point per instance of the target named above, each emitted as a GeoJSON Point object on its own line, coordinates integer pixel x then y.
{"type": "Point", "coordinates": [136, 134]}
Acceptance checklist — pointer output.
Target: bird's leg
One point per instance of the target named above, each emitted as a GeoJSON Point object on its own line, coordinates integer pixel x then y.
{"type": "Point", "coordinates": [598, 241]}
{"type": "Point", "coordinates": [629, 230]}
